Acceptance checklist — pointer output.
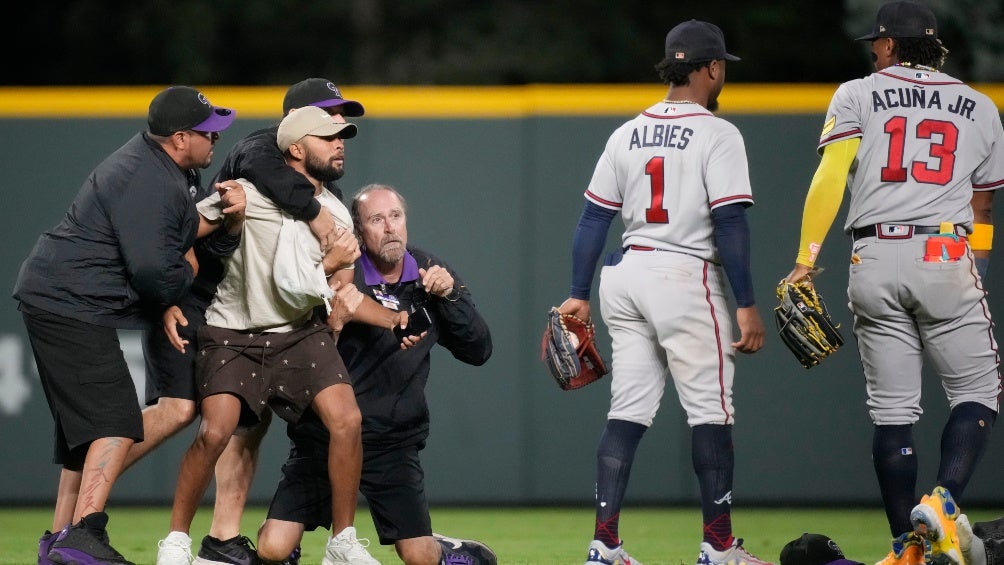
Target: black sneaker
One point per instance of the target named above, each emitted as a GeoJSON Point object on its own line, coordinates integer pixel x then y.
{"type": "Point", "coordinates": [993, 529]}
{"type": "Point", "coordinates": [465, 552]}
{"type": "Point", "coordinates": [238, 550]}
{"type": "Point", "coordinates": [86, 543]}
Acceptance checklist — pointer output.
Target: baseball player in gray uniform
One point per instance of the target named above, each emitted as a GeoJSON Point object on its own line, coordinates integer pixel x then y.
{"type": "Point", "coordinates": [679, 177]}
{"type": "Point", "coordinates": [912, 144]}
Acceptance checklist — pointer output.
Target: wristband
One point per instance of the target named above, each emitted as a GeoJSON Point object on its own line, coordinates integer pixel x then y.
{"type": "Point", "coordinates": [454, 294]}
{"type": "Point", "coordinates": [982, 237]}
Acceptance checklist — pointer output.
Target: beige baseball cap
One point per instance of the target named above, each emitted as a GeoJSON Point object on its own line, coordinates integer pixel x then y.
{"type": "Point", "coordinates": [310, 120]}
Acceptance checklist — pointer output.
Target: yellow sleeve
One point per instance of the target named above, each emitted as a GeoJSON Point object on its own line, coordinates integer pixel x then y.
{"type": "Point", "coordinates": [825, 195]}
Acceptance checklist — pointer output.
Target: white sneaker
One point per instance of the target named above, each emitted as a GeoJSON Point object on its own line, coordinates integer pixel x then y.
{"type": "Point", "coordinates": [735, 555]}
{"type": "Point", "coordinates": [973, 550]}
{"type": "Point", "coordinates": [345, 548]}
{"type": "Point", "coordinates": [175, 549]}
{"type": "Point", "coordinates": [600, 553]}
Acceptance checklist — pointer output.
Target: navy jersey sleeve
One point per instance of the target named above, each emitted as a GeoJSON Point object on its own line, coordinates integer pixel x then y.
{"type": "Point", "coordinates": [732, 237]}
{"type": "Point", "coordinates": [587, 245]}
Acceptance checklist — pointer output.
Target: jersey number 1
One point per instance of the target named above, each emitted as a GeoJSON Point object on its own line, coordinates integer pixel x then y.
{"type": "Point", "coordinates": [944, 151]}
{"type": "Point", "coordinates": [656, 213]}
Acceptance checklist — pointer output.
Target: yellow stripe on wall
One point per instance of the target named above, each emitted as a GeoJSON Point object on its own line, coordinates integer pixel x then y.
{"type": "Point", "coordinates": [416, 102]}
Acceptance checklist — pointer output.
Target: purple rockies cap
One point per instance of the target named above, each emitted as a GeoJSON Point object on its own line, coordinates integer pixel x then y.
{"type": "Point", "coordinates": [814, 549]}
{"type": "Point", "coordinates": [319, 92]}
{"type": "Point", "coordinates": [179, 108]}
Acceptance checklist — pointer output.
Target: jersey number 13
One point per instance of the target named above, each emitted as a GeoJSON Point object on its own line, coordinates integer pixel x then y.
{"type": "Point", "coordinates": [944, 151]}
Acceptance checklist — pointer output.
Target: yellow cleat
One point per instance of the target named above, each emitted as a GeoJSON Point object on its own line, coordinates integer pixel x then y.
{"type": "Point", "coordinates": [907, 549]}
{"type": "Point", "coordinates": [934, 520]}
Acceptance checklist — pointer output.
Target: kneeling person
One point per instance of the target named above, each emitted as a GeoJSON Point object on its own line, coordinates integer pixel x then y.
{"type": "Point", "coordinates": [389, 381]}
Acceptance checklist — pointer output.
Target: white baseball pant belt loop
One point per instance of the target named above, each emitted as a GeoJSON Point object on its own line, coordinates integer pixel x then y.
{"type": "Point", "coordinates": [900, 231]}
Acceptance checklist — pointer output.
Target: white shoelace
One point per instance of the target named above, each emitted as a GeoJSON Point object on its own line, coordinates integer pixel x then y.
{"type": "Point", "coordinates": [174, 550]}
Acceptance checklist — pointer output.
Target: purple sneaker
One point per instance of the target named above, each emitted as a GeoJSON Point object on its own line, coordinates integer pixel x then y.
{"type": "Point", "coordinates": [86, 543]}
{"type": "Point", "coordinates": [294, 558]}
{"type": "Point", "coordinates": [45, 544]}
{"type": "Point", "coordinates": [450, 558]}
{"type": "Point", "coordinates": [465, 551]}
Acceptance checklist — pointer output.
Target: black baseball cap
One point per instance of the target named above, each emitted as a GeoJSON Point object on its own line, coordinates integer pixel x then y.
{"type": "Point", "coordinates": [319, 92]}
{"type": "Point", "coordinates": [696, 41]}
{"type": "Point", "coordinates": [178, 108]}
{"type": "Point", "coordinates": [814, 549]}
{"type": "Point", "coordinates": [903, 19]}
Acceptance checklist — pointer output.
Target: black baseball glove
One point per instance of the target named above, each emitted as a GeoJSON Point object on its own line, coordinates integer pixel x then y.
{"type": "Point", "coordinates": [982, 543]}
{"type": "Point", "coordinates": [568, 350]}
{"type": "Point", "coordinates": [804, 323]}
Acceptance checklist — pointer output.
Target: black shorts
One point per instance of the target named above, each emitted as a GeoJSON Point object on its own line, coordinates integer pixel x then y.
{"type": "Point", "coordinates": [281, 370]}
{"type": "Point", "coordinates": [86, 382]}
{"type": "Point", "coordinates": [170, 373]}
{"type": "Point", "coordinates": [392, 481]}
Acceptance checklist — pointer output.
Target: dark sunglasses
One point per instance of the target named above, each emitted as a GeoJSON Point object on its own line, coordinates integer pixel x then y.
{"type": "Point", "coordinates": [212, 136]}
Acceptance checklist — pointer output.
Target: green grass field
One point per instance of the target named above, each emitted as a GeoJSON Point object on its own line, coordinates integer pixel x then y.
{"type": "Point", "coordinates": [531, 536]}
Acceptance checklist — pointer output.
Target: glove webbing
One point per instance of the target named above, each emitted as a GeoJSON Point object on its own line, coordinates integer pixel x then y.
{"type": "Point", "coordinates": [814, 331]}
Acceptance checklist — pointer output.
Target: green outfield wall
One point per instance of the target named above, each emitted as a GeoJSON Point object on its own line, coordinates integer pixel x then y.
{"type": "Point", "coordinates": [494, 180]}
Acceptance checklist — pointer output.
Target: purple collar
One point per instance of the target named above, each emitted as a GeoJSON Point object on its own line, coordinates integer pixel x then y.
{"type": "Point", "coordinates": [373, 276]}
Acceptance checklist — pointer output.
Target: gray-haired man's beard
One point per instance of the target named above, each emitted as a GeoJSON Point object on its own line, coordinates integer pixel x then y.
{"type": "Point", "coordinates": [391, 256]}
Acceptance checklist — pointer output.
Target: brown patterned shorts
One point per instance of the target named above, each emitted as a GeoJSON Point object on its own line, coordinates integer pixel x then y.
{"type": "Point", "coordinates": [281, 370]}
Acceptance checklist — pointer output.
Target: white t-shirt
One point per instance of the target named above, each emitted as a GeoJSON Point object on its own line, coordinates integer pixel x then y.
{"type": "Point", "coordinates": [248, 298]}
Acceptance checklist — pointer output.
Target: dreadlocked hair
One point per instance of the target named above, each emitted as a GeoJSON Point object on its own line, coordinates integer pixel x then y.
{"type": "Point", "coordinates": [925, 51]}
{"type": "Point", "coordinates": [677, 73]}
